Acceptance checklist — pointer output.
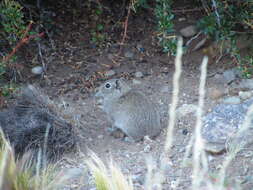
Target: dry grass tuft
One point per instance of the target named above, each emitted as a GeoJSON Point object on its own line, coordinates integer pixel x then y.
{"type": "Point", "coordinates": [107, 178]}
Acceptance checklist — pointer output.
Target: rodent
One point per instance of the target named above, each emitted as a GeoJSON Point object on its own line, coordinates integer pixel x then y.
{"type": "Point", "coordinates": [130, 110]}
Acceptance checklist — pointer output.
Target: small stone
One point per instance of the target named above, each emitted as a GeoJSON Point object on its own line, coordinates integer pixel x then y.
{"type": "Point", "coordinates": [140, 48]}
{"type": "Point", "coordinates": [188, 31]}
{"type": "Point", "coordinates": [38, 70]}
{"type": "Point", "coordinates": [100, 136]}
{"type": "Point", "coordinates": [165, 70]}
{"type": "Point", "coordinates": [186, 109]}
{"type": "Point", "coordinates": [184, 131]}
{"type": "Point", "coordinates": [232, 100]}
{"type": "Point", "coordinates": [147, 148]}
{"type": "Point", "coordinates": [218, 76]}
{"type": "Point", "coordinates": [181, 19]}
{"type": "Point", "coordinates": [165, 89]}
{"type": "Point", "coordinates": [137, 82]}
{"type": "Point", "coordinates": [246, 83]}
{"type": "Point", "coordinates": [245, 95]}
{"type": "Point", "coordinates": [216, 93]}
{"type": "Point", "coordinates": [110, 73]}
{"type": "Point", "coordinates": [129, 54]}
{"type": "Point", "coordinates": [138, 74]}
{"type": "Point", "coordinates": [173, 184]}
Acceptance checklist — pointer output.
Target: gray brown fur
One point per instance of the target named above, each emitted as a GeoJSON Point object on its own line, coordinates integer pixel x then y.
{"type": "Point", "coordinates": [130, 110]}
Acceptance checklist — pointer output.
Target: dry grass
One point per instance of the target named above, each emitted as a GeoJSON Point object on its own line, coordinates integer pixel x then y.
{"type": "Point", "coordinates": [26, 173]}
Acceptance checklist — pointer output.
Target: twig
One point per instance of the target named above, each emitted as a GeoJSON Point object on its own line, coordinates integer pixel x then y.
{"type": "Point", "coordinates": [216, 12]}
{"type": "Point", "coordinates": [186, 10]}
{"type": "Point", "coordinates": [125, 29]}
{"type": "Point", "coordinates": [24, 40]}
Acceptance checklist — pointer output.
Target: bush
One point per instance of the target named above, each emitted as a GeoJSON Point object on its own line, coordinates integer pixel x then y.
{"type": "Point", "coordinates": [224, 21]}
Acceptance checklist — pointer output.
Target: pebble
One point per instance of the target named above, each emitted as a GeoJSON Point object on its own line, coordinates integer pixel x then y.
{"type": "Point", "coordinates": [245, 94]}
{"type": "Point", "coordinates": [138, 74]}
{"type": "Point", "coordinates": [38, 70]}
{"type": "Point", "coordinates": [232, 100]}
{"type": "Point", "coordinates": [110, 73]}
{"type": "Point", "coordinates": [136, 81]}
{"type": "Point", "coordinates": [181, 19]}
{"type": "Point", "coordinates": [246, 83]}
{"type": "Point", "coordinates": [147, 148]}
{"type": "Point", "coordinates": [129, 54]}
{"type": "Point", "coordinates": [216, 93]}
{"type": "Point", "coordinates": [186, 109]}
{"type": "Point", "coordinates": [188, 31]}
{"type": "Point", "coordinates": [140, 48]}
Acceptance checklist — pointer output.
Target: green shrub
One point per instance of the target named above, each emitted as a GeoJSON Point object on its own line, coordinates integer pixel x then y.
{"type": "Point", "coordinates": [165, 17]}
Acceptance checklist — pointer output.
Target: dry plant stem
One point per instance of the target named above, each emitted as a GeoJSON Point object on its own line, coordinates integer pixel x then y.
{"type": "Point", "coordinates": [148, 178]}
{"type": "Point", "coordinates": [198, 148]}
{"type": "Point", "coordinates": [246, 125]}
{"type": "Point", "coordinates": [175, 95]}
{"type": "Point", "coordinates": [125, 29]}
{"type": "Point", "coordinates": [172, 110]}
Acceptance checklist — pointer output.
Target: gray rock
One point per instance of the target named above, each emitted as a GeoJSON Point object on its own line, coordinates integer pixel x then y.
{"type": "Point", "coordinates": [246, 83]}
{"type": "Point", "coordinates": [38, 70]}
{"type": "Point", "coordinates": [221, 125]}
{"type": "Point", "coordinates": [138, 74]}
{"type": "Point", "coordinates": [188, 31]}
{"type": "Point", "coordinates": [232, 100]}
{"type": "Point", "coordinates": [129, 54]}
{"type": "Point", "coordinates": [229, 75]}
{"type": "Point", "coordinates": [245, 94]}
{"type": "Point", "coordinates": [110, 73]}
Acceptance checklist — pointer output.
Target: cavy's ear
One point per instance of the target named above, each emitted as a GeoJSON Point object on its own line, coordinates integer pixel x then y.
{"type": "Point", "coordinates": [118, 84]}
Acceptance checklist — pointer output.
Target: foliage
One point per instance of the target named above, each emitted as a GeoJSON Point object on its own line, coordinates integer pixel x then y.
{"type": "Point", "coordinates": [12, 23]}
{"type": "Point", "coordinates": [12, 26]}
{"type": "Point", "coordinates": [165, 17]}
{"type": "Point", "coordinates": [225, 22]}
{"type": "Point", "coordinates": [97, 35]}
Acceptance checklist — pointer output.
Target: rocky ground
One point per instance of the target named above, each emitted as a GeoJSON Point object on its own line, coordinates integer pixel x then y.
{"type": "Point", "coordinates": [76, 67]}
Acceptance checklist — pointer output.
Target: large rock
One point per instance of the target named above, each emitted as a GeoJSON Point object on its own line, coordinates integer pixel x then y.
{"type": "Point", "coordinates": [33, 119]}
{"type": "Point", "coordinates": [222, 124]}
{"type": "Point", "coordinates": [188, 31]}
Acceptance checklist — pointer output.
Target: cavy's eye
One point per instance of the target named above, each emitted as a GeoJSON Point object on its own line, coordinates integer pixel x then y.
{"type": "Point", "coordinates": [107, 85]}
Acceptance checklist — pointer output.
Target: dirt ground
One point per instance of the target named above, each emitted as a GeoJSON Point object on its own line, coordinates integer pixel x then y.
{"type": "Point", "coordinates": [74, 70]}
